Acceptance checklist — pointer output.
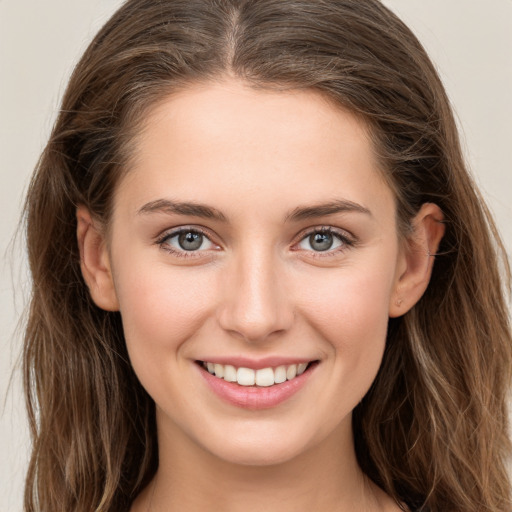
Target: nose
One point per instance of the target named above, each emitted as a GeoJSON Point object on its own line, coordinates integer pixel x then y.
{"type": "Point", "coordinates": [254, 303]}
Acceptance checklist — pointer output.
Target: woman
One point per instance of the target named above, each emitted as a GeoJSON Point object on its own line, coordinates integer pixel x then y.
{"type": "Point", "coordinates": [262, 275]}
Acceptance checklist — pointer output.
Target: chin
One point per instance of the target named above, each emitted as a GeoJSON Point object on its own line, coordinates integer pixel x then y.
{"type": "Point", "coordinates": [264, 445]}
{"type": "Point", "coordinates": [257, 454]}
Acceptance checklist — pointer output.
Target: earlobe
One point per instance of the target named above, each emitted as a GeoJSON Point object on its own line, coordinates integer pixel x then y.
{"type": "Point", "coordinates": [95, 261]}
{"type": "Point", "coordinates": [417, 259]}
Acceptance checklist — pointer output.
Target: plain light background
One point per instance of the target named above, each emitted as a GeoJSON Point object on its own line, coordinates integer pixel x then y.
{"type": "Point", "coordinates": [469, 40]}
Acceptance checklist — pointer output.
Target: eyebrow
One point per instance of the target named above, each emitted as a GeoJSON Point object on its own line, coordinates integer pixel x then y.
{"type": "Point", "coordinates": [207, 212]}
{"type": "Point", "coordinates": [323, 209]}
{"type": "Point", "coordinates": [182, 208]}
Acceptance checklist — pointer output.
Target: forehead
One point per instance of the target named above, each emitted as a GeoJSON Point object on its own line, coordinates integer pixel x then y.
{"type": "Point", "coordinates": [228, 142]}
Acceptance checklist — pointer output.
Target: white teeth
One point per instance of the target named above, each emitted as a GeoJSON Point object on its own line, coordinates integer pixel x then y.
{"type": "Point", "coordinates": [230, 373]}
{"type": "Point", "coordinates": [245, 377]}
{"type": "Point", "coordinates": [301, 368]}
{"type": "Point", "coordinates": [264, 377]}
{"type": "Point", "coordinates": [291, 372]}
{"type": "Point", "coordinates": [280, 374]}
{"type": "Point", "coordinates": [219, 370]}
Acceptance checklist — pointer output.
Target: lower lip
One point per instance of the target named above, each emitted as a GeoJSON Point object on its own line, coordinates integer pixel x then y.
{"type": "Point", "coordinates": [254, 397]}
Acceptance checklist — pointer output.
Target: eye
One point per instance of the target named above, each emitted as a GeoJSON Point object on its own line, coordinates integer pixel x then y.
{"type": "Point", "coordinates": [324, 240]}
{"type": "Point", "coordinates": [186, 240]}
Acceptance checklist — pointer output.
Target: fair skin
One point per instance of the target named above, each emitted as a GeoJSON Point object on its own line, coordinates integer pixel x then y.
{"type": "Point", "coordinates": [293, 257]}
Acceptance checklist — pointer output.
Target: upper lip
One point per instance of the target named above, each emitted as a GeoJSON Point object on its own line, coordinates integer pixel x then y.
{"type": "Point", "coordinates": [257, 364]}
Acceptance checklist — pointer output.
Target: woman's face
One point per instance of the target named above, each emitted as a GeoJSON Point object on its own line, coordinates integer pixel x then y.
{"type": "Point", "coordinates": [254, 231]}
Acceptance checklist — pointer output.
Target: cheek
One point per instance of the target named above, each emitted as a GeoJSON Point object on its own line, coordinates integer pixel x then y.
{"type": "Point", "coordinates": [161, 309]}
{"type": "Point", "coordinates": [349, 307]}
{"type": "Point", "coordinates": [350, 312]}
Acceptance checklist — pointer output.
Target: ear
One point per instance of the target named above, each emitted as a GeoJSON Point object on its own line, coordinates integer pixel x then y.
{"type": "Point", "coordinates": [417, 259]}
{"type": "Point", "coordinates": [95, 261]}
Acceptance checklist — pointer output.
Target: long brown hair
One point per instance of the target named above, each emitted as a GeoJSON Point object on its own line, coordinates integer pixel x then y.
{"type": "Point", "coordinates": [432, 431]}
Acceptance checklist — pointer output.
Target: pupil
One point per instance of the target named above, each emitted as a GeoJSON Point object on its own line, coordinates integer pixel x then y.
{"type": "Point", "coordinates": [190, 241]}
{"type": "Point", "coordinates": [321, 241]}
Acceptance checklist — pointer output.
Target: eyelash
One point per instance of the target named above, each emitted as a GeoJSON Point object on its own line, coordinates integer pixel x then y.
{"type": "Point", "coordinates": [346, 241]}
{"type": "Point", "coordinates": [163, 241]}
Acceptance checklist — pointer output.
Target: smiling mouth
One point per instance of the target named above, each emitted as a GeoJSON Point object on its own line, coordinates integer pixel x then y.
{"type": "Point", "coordinates": [264, 377]}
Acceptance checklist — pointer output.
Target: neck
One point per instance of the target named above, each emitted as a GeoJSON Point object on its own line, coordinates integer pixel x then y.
{"type": "Point", "coordinates": [326, 477]}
